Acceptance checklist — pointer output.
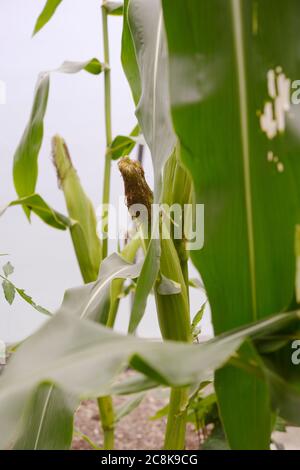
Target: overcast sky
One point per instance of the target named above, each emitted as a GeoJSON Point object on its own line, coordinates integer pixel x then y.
{"type": "Point", "coordinates": [43, 257]}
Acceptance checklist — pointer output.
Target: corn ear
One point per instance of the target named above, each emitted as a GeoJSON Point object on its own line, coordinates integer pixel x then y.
{"type": "Point", "coordinates": [80, 209]}
{"type": "Point", "coordinates": [173, 309]}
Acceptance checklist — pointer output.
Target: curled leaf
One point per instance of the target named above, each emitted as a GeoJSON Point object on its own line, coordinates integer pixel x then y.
{"type": "Point", "coordinates": [113, 8]}
{"type": "Point", "coordinates": [25, 168]}
{"type": "Point", "coordinates": [39, 206]}
{"type": "Point", "coordinates": [167, 286]}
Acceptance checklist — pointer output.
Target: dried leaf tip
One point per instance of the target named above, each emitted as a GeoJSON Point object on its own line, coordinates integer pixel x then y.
{"type": "Point", "coordinates": [61, 158]}
{"type": "Point", "coordinates": [137, 190]}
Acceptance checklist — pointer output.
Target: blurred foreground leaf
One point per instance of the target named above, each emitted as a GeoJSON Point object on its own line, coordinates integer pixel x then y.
{"type": "Point", "coordinates": [245, 168]}
{"type": "Point", "coordinates": [70, 352]}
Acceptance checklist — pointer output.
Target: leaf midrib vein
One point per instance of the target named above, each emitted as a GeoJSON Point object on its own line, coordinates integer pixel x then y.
{"type": "Point", "coordinates": [242, 85]}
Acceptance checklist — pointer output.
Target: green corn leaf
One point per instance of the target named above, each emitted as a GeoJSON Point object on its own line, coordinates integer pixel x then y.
{"type": "Point", "coordinates": [128, 57]}
{"type": "Point", "coordinates": [93, 299]}
{"type": "Point", "coordinates": [25, 169]}
{"type": "Point", "coordinates": [161, 413]}
{"type": "Point", "coordinates": [48, 409]}
{"type": "Point", "coordinates": [127, 290]}
{"type": "Point", "coordinates": [46, 15]}
{"type": "Point", "coordinates": [86, 306]}
{"type": "Point", "coordinates": [128, 254]}
{"type": "Point", "coordinates": [202, 410]}
{"type": "Point", "coordinates": [147, 34]}
{"type": "Point", "coordinates": [87, 439]}
{"type": "Point", "coordinates": [112, 268]}
{"type": "Point", "coordinates": [279, 424]}
{"type": "Point", "coordinates": [245, 169]}
{"type": "Point", "coordinates": [286, 398]}
{"type": "Point", "coordinates": [129, 406]}
{"type": "Point", "coordinates": [69, 352]}
{"type": "Point", "coordinates": [122, 145]}
{"type": "Point", "coordinates": [93, 66]}
{"type": "Point", "coordinates": [30, 301]}
{"type": "Point", "coordinates": [258, 409]}
{"type": "Point", "coordinates": [135, 131]}
{"type": "Point", "coordinates": [8, 269]}
{"type": "Point", "coordinates": [145, 283]}
{"type": "Point", "coordinates": [297, 254]}
{"type": "Point", "coordinates": [198, 317]}
{"type": "Point", "coordinates": [38, 205]}
{"type": "Point", "coordinates": [136, 384]}
{"type": "Point", "coordinates": [281, 368]}
{"type": "Point", "coordinates": [144, 57]}
{"type": "Point", "coordinates": [9, 291]}
{"type": "Point", "coordinates": [196, 283]}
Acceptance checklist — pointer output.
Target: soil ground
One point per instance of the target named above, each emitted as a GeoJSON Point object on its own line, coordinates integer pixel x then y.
{"type": "Point", "coordinates": [135, 431]}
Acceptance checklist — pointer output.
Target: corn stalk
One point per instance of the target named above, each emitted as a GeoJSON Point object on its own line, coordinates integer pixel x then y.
{"type": "Point", "coordinates": [171, 291]}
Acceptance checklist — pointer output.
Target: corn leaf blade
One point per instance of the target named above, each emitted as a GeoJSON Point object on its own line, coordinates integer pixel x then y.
{"type": "Point", "coordinates": [153, 113]}
{"type": "Point", "coordinates": [69, 352]}
{"type": "Point", "coordinates": [128, 57]}
{"type": "Point", "coordinates": [25, 167]}
{"type": "Point", "coordinates": [93, 299]}
{"type": "Point", "coordinates": [9, 291]}
{"type": "Point", "coordinates": [46, 14]}
{"type": "Point", "coordinates": [144, 58]}
{"type": "Point", "coordinates": [245, 170]}
{"type": "Point", "coordinates": [47, 408]}
{"type": "Point", "coordinates": [41, 208]}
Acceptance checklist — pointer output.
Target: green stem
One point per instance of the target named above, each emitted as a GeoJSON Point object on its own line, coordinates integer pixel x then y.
{"type": "Point", "coordinates": [172, 309]}
{"type": "Point", "coordinates": [176, 425]}
{"type": "Point", "coordinates": [106, 409]}
{"type": "Point", "coordinates": [174, 321]}
{"type": "Point", "coordinates": [105, 404]}
{"type": "Point", "coordinates": [183, 259]}
{"type": "Point", "coordinates": [107, 109]}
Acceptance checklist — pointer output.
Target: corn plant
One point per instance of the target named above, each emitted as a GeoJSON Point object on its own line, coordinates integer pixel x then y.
{"type": "Point", "coordinates": [212, 81]}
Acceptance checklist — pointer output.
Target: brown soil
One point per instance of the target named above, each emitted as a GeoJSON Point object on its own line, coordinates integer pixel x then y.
{"type": "Point", "coordinates": [135, 431]}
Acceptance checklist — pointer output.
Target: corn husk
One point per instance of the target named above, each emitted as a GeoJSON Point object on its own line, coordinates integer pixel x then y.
{"type": "Point", "coordinates": [86, 242]}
